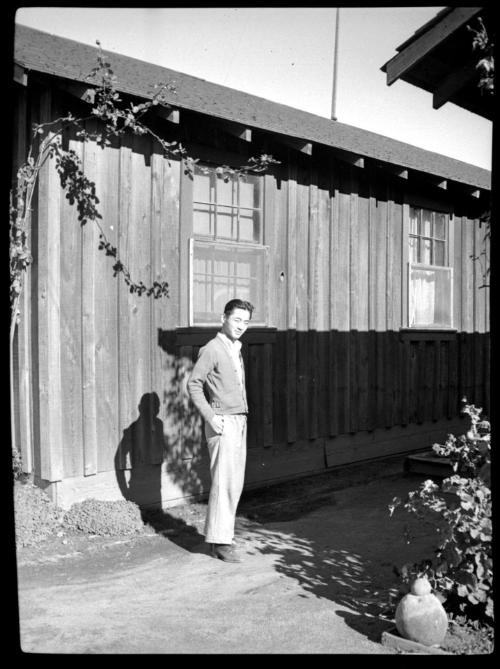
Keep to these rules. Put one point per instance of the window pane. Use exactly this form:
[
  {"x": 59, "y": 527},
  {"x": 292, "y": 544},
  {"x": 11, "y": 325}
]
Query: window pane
[
  {"x": 426, "y": 230},
  {"x": 201, "y": 188},
  {"x": 203, "y": 220},
  {"x": 226, "y": 223},
  {"x": 413, "y": 221},
  {"x": 430, "y": 298},
  {"x": 425, "y": 251},
  {"x": 226, "y": 192},
  {"x": 413, "y": 253},
  {"x": 249, "y": 192},
  {"x": 439, "y": 253},
  {"x": 222, "y": 272},
  {"x": 249, "y": 226},
  {"x": 439, "y": 226}
]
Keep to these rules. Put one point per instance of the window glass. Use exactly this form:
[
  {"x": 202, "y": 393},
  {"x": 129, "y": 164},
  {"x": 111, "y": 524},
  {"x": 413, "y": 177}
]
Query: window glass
[
  {"x": 202, "y": 190},
  {"x": 203, "y": 220},
  {"x": 222, "y": 272},
  {"x": 439, "y": 226},
  {"x": 430, "y": 297}
]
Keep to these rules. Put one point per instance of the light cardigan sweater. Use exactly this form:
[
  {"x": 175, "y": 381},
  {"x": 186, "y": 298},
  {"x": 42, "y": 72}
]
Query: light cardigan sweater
[{"x": 214, "y": 384}]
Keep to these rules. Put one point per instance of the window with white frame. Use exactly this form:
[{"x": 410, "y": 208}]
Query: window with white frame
[
  {"x": 430, "y": 277},
  {"x": 227, "y": 254}
]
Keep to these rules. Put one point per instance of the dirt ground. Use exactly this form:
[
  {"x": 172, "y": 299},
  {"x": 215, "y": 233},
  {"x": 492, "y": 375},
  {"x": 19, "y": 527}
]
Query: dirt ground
[{"x": 318, "y": 575}]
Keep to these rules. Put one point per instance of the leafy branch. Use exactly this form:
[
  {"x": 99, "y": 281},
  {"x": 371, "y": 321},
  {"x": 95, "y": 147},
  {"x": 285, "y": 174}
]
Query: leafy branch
[{"x": 115, "y": 120}]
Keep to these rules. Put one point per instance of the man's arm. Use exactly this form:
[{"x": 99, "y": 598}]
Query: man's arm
[{"x": 196, "y": 381}]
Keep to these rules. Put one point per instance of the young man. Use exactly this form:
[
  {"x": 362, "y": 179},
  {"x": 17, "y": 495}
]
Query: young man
[{"x": 217, "y": 388}]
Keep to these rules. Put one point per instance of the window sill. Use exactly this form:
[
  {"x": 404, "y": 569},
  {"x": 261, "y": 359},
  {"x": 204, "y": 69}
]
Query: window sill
[{"x": 428, "y": 334}]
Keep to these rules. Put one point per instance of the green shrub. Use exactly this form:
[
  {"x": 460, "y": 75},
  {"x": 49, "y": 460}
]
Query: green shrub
[
  {"x": 104, "y": 518},
  {"x": 459, "y": 510}
]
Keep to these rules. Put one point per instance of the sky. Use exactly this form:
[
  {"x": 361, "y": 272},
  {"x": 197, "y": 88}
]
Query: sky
[{"x": 286, "y": 54}]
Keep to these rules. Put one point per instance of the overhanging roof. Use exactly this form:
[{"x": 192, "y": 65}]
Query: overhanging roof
[
  {"x": 439, "y": 58},
  {"x": 49, "y": 54}
]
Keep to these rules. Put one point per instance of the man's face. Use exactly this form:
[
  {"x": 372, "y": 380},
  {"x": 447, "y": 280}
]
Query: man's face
[{"x": 234, "y": 325}]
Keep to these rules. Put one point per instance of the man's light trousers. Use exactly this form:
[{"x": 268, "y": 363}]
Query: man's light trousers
[{"x": 227, "y": 471}]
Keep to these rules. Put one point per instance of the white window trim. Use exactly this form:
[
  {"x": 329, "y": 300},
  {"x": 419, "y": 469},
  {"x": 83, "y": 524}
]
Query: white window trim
[
  {"x": 265, "y": 279},
  {"x": 417, "y": 326}
]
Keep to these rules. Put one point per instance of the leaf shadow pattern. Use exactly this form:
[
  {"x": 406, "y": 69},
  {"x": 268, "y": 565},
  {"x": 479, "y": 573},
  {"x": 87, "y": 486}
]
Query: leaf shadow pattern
[{"x": 346, "y": 553}]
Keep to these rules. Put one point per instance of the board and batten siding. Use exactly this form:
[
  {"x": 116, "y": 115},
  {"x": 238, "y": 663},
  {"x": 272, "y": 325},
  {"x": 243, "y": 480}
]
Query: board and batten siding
[{"x": 334, "y": 364}]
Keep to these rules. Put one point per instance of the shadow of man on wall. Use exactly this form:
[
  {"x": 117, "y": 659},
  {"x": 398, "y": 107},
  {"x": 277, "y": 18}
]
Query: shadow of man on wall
[
  {"x": 149, "y": 442},
  {"x": 140, "y": 454}
]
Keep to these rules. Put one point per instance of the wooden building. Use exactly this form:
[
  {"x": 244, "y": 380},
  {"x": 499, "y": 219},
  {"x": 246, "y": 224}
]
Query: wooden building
[
  {"x": 439, "y": 58},
  {"x": 371, "y": 317}
]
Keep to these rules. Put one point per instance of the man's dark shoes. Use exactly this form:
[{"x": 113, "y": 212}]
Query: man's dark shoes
[{"x": 226, "y": 552}]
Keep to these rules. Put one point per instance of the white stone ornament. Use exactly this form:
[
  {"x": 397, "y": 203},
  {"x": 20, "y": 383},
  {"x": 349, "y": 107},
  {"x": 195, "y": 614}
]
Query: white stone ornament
[{"x": 420, "y": 616}]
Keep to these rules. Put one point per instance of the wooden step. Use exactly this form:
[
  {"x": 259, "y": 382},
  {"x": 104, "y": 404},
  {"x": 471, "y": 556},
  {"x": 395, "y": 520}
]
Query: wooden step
[{"x": 428, "y": 463}]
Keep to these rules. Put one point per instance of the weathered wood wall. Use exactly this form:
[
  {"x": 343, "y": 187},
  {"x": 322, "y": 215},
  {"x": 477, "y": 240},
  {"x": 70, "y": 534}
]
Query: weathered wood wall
[{"x": 334, "y": 361}]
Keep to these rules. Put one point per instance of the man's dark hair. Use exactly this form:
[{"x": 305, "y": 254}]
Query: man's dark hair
[{"x": 238, "y": 304}]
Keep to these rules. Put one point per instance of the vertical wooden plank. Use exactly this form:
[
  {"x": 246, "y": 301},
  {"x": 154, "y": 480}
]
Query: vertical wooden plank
[
  {"x": 292, "y": 247},
  {"x": 313, "y": 269},
  {"x": 436, "y": 385},
  {"x": 267, "y": 395},
  {"x": 165, "y": 310},
  {"x": 106, "y": 323},
  {"x": 478, "y": 368},
  {"x": 354, "y": 381},
  {"x": 256, "y": 437},
  {"x": 396, "y": 222},
  {"x": 453, "y": 378},
  {"x": 354, "y": 252},
  {"x": 291, "y": 342},
  {"x": 389, "y": 364},
  {"x": 467, "y": 277},
  {"x": 405, "y": 213},
  {"x": 279, "y": 359},
  {"x": 421, "y": 362},
  {"x": 480, "y": 278},
  {"x": 24, "y": 371},
  {"x": 334, "y": 320},
  {"x": 381, "y": 267},
  {"x": 279, "y": 245},
  {"x": 343, "y": 301},
  {"x": 323, "y": 385},
  {"x": 185, "y": 232},
  {"x": 323, "y": 246},
  {"x": 302, "y": 302},
  {"x": 487, "y": 363},
  {"x": 291, "y": 384},
  {"x": 405, "y": 381},
  {"x": 313, "y": 348},
  {"x": 444, "y": 347},
  {"x": 397, "y": 349},
  {"x": 90, "y": 237},
  {"x": 71, "y": 330},
  {"x": 134, "y": 315},
  {"x": 372, "y": 253},
  {"x": 389, "y": 261},
  {"x": 49, "y": 314},
  {"x": 333, "y": 378},
  {"x": 456, "y": 258},
  {"x": 371, "y": 422},
  {"x": 380, "y": 384}
]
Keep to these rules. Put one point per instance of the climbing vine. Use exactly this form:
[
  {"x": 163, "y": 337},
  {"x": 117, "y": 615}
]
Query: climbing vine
[{"x": 116, "y": 119}]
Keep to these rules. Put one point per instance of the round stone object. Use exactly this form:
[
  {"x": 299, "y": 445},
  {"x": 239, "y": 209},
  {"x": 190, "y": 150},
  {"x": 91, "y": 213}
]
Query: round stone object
[{"x": 421, "y": 617}]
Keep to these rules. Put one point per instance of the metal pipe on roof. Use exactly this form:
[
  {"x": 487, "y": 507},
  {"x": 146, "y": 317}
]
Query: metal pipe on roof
[{"x": 335, "y": 64}]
